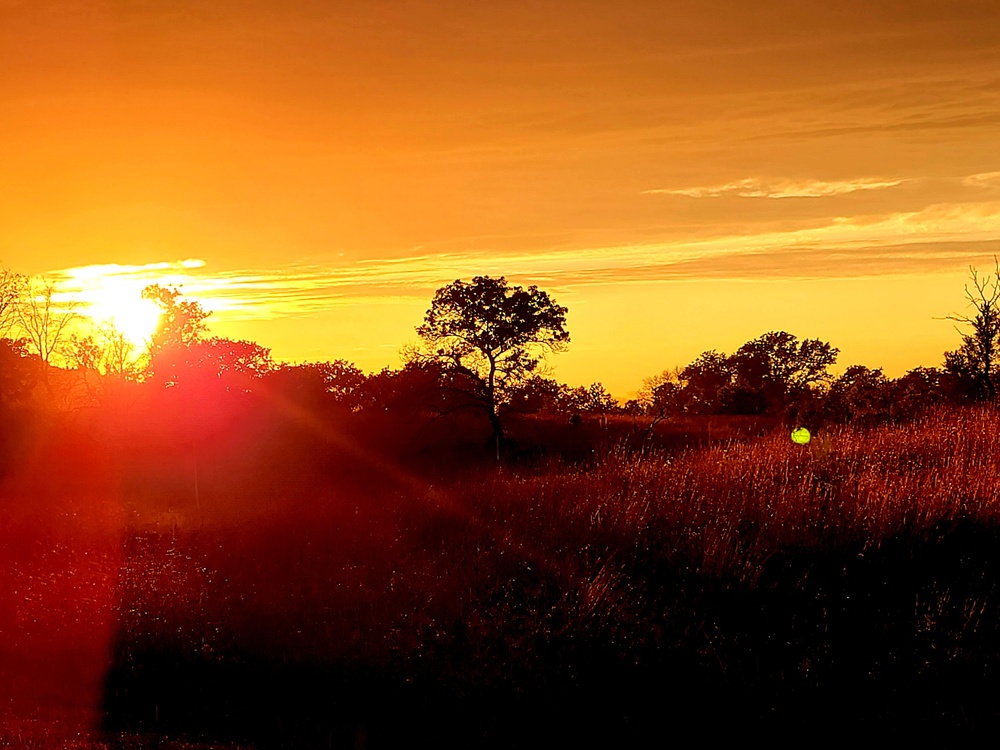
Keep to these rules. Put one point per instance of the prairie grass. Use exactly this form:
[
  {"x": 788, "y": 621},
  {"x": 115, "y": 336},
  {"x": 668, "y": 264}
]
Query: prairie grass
[{"x": 745, "y": 587}]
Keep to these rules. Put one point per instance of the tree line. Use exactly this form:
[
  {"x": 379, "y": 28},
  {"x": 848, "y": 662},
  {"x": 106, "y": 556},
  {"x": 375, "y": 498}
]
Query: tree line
[
  {"x": 483, "y": 348},
  {"x": 492, "y": 338}
]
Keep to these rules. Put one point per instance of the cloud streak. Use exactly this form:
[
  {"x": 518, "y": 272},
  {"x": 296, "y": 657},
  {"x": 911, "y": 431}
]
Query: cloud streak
[
  {"x": 782, "y": 188},
  {"x": 983, "y": 180},
  {"x": 937, "y": 238}
]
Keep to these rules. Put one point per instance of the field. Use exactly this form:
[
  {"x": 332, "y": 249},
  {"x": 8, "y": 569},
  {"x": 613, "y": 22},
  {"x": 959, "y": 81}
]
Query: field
[{"x": 720, "y": 584}]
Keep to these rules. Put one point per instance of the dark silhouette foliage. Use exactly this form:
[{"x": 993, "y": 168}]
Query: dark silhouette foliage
[
  {"x": 918, "y": 391},
  {"x": 181, "y": 325},
  {"x": 13, "y": 287},
  {"x": 419, "y": 387},
  {"x": 975, "y": 366},
  {"x": 491, "y": 336},
  {"x": 773, "y": 374},
  {"x": 770, "y": 371},
  {"x": 317, "y": 385},
  {"x": 181, "y": 321},
  {"x": 44, "y": 322},
  {"x": 540, "y": 395},
  {"x": 213, "y": 366},
  {"x": 860, "y": 395},
  {"x": 598, "y": 400},
  {"x": 18, "y": 372},
  {"x": 707, "y": 383},
  {"x": 228, "y": 365}
]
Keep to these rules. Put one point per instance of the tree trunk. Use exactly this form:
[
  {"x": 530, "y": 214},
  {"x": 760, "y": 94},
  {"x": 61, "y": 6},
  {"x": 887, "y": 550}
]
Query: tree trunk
[
  {"x": 491, "y": 413},
  {"x": 491, "y": 406}
]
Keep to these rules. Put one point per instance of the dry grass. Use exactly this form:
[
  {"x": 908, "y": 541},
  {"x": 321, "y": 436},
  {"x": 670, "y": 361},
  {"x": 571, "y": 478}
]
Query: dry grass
[{"x": 849, "y": 585}]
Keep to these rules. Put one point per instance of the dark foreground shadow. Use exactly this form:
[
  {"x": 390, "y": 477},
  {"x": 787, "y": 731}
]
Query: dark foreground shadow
[
  {"x": 896, "y": 642},
  {"x": 272, "y": 705}
]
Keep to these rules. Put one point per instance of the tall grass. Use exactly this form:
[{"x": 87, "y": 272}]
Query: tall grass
[
  {"x": 778, "y": 580},
  {"x": 849, "y": 585},
  {"x": 725, "y": 509}
]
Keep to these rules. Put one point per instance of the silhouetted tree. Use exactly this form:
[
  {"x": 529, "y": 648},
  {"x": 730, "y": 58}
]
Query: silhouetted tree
[
  {"x": 18, "y": 372},
  {"x": 599, "y": 401},
  {"x": 313, "y": 385},
  {"x": 181, "y": 321},
  {"x": 536, "y": 395},
  {"x": 572, "y": 400},
  {"x": 13, "y": 286},
  {"x": 861, "y": 394},
  {"x": 181, "y": 325},
  {"x": 660, "y": 397},
  {"x": 661, "y": 394},
  {"x": 44, "y": 321},
  {"x": 206, "y": 386},
  {"x": 106, "y": 360},
  {"x": 918, "y": 390},
  {"x": 547, "y": 396},
  {"x": 106, "y": 351},
  {"x": 418, "y": 387},
  {"x": 633, "y": 407},
  {"x": 774, "y": 367},
  {"x": 491, "y": 336},
  {"x": 118, "y": 354},
  {"x": 975, "y": 364},
  {"x": 706, "y": 382},
  {"x": 216, "y": 365}
]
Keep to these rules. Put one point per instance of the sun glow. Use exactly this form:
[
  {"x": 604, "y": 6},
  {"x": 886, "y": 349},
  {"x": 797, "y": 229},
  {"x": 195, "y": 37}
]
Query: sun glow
[
  {"x": 118, "y": 302},
  {"x": 110, "y": 295}
]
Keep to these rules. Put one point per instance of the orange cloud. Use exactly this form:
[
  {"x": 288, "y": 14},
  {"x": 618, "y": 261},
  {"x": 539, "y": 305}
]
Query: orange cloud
[
  {"x": 983, "y": 180},
  {"x": 936, "y": 238},
  {"x": 781, "y": 188}
]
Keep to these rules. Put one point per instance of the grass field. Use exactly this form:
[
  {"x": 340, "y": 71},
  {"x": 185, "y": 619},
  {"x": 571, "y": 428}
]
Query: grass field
[{"x": 743, "y": 586}]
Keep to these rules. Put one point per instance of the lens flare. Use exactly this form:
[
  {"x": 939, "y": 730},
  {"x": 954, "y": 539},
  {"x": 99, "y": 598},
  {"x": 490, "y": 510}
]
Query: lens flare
[{"x": 801, "y": 436}]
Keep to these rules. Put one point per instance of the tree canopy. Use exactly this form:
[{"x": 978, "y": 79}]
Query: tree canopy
[
  {"x": 181, "y": 326},
  {"x": 182, "y": 322},
  {"x": 492, "y": 335},
  {"x": 776, "y": 366}
]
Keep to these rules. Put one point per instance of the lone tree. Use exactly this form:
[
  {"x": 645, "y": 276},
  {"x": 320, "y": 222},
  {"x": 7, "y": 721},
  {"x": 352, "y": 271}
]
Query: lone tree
[
  {"x": 976, "y": 364},
  {"x": 490, "y": 337}
]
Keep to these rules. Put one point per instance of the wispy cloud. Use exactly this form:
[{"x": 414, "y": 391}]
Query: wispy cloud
[
  {"x": 83, "y": 278},
  {"x": 983, "y": 180},
  {"x": 153, "y": 273},
  {"x": 937, "y": 238},
  {"x": 781, "y": 188}
]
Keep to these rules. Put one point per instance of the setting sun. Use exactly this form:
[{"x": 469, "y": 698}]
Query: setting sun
[{"x": 118, "y": 302}]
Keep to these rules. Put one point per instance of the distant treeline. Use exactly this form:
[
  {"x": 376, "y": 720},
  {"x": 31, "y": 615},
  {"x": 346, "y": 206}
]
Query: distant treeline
[{"x": 477, "y": 357}]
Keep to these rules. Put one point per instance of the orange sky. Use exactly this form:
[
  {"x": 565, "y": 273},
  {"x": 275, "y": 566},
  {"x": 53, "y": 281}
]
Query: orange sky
[{"x": 682, "y": 175}]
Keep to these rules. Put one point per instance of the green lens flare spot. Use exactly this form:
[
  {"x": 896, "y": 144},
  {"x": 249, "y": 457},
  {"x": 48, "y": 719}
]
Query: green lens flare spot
[{"x": 800, "y": 436}]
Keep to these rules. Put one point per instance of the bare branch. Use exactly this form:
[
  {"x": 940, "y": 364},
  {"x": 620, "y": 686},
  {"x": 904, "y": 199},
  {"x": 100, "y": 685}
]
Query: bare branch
[
  {"x": 977, "y": 361},
  {"x": 44, "y": 320}
]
